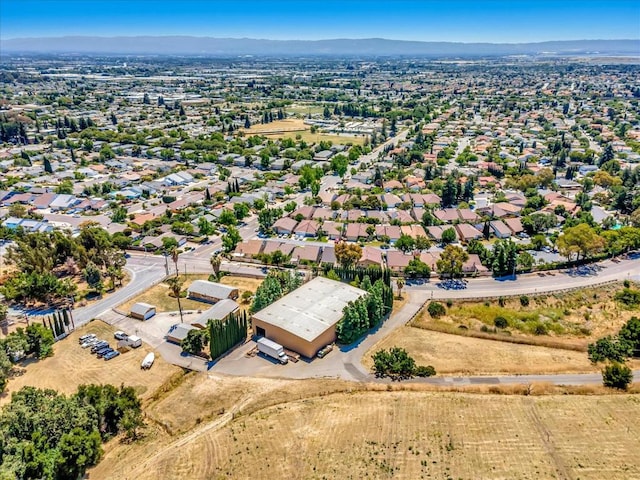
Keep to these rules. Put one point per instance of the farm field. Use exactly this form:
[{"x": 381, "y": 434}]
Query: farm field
[
  {"x": 158, "y": 295},
  {"x": 71, "y": 366},
  {"x": 400, "y": 434}
]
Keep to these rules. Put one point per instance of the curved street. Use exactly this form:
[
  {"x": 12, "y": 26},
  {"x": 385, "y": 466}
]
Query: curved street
[{"x": 147, "y": 270}]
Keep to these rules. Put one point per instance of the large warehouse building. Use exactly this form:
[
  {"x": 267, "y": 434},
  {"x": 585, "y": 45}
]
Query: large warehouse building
[{"x": 305, "y": 320}]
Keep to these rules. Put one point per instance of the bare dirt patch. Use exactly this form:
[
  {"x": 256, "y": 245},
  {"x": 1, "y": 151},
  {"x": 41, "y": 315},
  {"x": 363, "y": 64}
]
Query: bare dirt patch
[{"x": 72, "y": 365}]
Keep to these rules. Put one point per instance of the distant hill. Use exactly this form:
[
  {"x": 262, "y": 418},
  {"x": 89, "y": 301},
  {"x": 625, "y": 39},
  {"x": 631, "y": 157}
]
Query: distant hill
[{"x": 185, "y": 45}]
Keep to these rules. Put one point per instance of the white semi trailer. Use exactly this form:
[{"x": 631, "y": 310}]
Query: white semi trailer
[{"x": 272, "y": 349}]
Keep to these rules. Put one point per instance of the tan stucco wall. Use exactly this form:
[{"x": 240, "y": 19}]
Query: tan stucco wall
[{"x": 293, "y": 342}]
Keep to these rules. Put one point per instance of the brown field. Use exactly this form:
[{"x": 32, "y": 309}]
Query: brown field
[
  {"x": 71, "y": 366},
  {"x": 292, "y": 127},
  {"x": 461, "y": 355},
  {"x": 383, "y": 434},
  {"x": 158, "y": 295}
]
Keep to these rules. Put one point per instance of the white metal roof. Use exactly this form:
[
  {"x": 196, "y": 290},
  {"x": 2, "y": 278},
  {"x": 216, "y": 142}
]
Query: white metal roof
[{"x": 311, "y": 309}]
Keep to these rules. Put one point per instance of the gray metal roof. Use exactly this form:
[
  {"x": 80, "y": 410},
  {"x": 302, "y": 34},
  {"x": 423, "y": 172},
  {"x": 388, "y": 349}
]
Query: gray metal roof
[
  {"x": 141, "y": 308},
  {"x": 211, "y": 289},
  {"x": 311, "y": 309},
  {"x": 220, "y": 310}
]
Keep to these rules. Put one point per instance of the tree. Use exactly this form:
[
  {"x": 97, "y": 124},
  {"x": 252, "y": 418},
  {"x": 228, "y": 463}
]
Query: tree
[
  {"x": 405, "y": 243},
  {"x": 205, "y": 227},
  {"x": 39, "y": 340},
  {"x": 78, "y": 450},
  {"x": 93, "y": 276},
  {"x": 195, "y": 342},
  {"x": 231, "y": 239},
  {"x": 581, "y": 239},
  {"x": 400, "y": 285},
  {"x": 397, "y": 364},
  {"x": 451, "y": 261},
  {"x": 175, "y": 285},
  {"x": 617, "y": 375},
  {"x": 449, "y": 236},
  {"x": 5, "y": 368},
  {"x": 347, "y": 254},
  {"x": 215, "y": 261},
  {"x": 422, "y": 243},
  {"x": 417, "y": 269},
  {"x": 630, "y": 335},
  {"x": 241, "y": 210},
  {"x": 504, "y": 258},
  {"x": 228, "y": 218},
  {"x": 608, "y": 348},
  {"x": 340, "y": 164}
]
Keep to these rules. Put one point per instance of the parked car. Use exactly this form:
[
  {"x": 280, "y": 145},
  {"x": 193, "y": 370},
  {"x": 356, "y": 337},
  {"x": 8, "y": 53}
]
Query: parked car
[
  {"x": 90, "y": 343},
  {"x": 86, "y": 338},
  {"x": 120, "y": 335},
  {"x": 324, "y": 351},
  {"x": 104, "y": 351},
  {"x": 111, "y": 355},
  {"x": 98, "y": 346}
]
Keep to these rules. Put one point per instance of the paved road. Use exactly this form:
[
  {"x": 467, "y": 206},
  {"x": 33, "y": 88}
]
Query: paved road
[{"x": 531, "y": 284}]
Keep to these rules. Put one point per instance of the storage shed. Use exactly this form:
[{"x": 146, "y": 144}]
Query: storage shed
[
  {"x": 142, "y": 311},
  {"x": 305, "y": 320},
  {"x": 211, "y": 292},
  {"x": 177, "y": 333},
  {"x": 220, "y": 311}
]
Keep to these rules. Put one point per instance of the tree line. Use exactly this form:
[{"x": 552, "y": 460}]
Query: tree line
[{"x": 50, "y": 436}]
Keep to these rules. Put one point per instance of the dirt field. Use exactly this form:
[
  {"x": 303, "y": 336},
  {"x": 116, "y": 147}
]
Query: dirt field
[
  {"x": 407, "y": 435},
  {"x": 158, "y": 295},
  {"x": 71, "y": 366}
]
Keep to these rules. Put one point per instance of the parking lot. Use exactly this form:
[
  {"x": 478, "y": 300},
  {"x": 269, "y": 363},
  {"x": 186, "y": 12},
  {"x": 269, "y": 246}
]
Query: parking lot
[{"x": 153, "y": 332}]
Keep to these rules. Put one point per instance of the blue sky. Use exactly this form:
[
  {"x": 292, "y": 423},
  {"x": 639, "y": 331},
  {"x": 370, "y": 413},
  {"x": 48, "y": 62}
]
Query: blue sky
[{"x": 429, "y": 20}]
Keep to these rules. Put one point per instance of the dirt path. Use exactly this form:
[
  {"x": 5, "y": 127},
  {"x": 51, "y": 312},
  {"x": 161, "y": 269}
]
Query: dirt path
[{"x": 547, "y": 440}]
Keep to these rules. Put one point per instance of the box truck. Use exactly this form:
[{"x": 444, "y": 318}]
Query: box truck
[
  {"x": 134, "y": 341},
  {"x": 272, "y": 349}
]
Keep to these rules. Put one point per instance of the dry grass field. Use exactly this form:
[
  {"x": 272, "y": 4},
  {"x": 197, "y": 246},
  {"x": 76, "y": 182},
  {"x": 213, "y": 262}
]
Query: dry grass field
[
  {"x": 71, "y": 366},
  {"x": 461, "y": 355},
  {"x": 158, "y": 295},
  {"x": 571, "y": 320},
  {"x": 292, "y": 127},
  {"x": 382, "y": 434}
]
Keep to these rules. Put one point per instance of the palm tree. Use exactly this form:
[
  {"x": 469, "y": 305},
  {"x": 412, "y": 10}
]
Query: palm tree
[
  {"x": 174, "y": 257},
  {"x": 175, "y": 284},
  {"x": 215, "y": 262},
  {"x": 400, "y": 285}
]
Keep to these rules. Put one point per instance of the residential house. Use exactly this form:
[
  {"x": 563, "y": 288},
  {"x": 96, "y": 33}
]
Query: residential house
[
  {"x": 371, "y": 257},
  {"x": 499, "y": 229},
  {"x": 284, "y": 225}
]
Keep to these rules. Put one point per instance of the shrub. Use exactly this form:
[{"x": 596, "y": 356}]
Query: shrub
[
  {"x": 540, "y": 329},
  {"x": 395, "y": 363},
  {"x": 449, "y": 303},
  {"x": 608, "y": 348},
  {"x": 502, "y": 301},
  {"x": 617, "y": 375},
  {"x": 524, "y": 300},
  {"x": 500, "y": 322},
  {"x": 436, "y": 309},
  {"x": 629, "y": 297},
  {"x": 422, "y": 371}
]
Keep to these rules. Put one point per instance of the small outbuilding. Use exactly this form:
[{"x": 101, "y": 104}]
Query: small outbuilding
[
  {"x": 142, "y": 311},
  {"x": 211, "y": 292},
  {"x": 177, "y": 333},
  {"x": 220, "y": 311}
]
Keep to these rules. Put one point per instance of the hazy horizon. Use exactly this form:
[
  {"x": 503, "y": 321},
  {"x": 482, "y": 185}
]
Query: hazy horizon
[{"x": 459, "y": 21}]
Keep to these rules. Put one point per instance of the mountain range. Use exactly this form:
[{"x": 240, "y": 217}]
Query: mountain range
[{"x": 210, "y": 46}]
